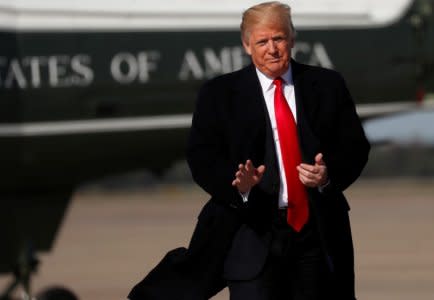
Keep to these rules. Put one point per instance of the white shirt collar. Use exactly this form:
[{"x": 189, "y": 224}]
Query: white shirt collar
[{"x": 267, "y": 82}]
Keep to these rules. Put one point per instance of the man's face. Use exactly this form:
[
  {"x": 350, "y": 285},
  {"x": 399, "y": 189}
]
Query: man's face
[{"x": 270, "y": 48}]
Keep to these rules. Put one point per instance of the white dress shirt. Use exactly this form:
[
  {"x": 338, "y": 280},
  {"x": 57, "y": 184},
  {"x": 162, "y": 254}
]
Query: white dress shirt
[{"x": 268, "y": 89}]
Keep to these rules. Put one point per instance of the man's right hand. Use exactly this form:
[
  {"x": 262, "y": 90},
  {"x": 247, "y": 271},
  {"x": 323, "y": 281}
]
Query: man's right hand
[{"x": 247, "y": 176}]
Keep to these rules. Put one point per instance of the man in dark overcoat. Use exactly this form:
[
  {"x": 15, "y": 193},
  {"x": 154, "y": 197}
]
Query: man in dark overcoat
[{"x": 275, "y": 144}]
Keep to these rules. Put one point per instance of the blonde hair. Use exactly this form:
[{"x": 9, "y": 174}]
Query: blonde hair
[{"x": 273, "y": 12}]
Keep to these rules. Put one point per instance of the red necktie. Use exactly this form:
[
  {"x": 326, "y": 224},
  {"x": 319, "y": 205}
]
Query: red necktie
[{"x": 298, "y": 210}]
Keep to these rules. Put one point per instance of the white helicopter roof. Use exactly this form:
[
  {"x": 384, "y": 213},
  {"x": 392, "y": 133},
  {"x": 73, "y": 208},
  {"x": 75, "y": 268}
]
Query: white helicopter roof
[{"x": 187, "y": 14}]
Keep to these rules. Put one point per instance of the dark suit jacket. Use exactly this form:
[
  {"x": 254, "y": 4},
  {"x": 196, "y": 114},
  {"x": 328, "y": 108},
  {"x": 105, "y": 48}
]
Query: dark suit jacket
[{"x": 231, "y": 125}]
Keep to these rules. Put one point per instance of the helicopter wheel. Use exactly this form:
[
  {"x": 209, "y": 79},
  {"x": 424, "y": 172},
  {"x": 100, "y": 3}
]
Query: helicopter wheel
[{"x": 56, "y": 293}]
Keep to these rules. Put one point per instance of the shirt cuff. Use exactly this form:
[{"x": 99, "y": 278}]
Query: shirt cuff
[
  {"x": 245, "y": 196},
  {"x": 322, "y": 187}
]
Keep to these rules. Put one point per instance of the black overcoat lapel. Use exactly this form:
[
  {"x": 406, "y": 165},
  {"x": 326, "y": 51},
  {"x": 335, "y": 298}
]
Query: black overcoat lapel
[
  {"x": 306, "y": 97},
  {"x": 249, "y": 103},
  {"x": 261, "y": 146}
]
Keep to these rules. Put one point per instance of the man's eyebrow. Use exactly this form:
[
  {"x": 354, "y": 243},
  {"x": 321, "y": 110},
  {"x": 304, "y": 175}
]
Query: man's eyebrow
[
  {"x": 261, "y": 40},
  {"x": 277, "y": 37}
]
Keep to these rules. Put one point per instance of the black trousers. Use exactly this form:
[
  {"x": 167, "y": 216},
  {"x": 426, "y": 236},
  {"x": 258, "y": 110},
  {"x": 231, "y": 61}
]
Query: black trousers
[{"x": 294, "y": 270}]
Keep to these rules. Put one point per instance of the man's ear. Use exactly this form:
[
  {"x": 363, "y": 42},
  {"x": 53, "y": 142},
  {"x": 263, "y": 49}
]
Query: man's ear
[{"x": 247, "y": 48}]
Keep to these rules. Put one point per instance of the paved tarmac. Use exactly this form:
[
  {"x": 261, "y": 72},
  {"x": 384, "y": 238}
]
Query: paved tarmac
[{"x": 110, "y": 239}]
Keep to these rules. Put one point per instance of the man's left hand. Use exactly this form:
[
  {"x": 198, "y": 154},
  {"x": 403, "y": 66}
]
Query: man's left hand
[{"x": 313, "y": 175}]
